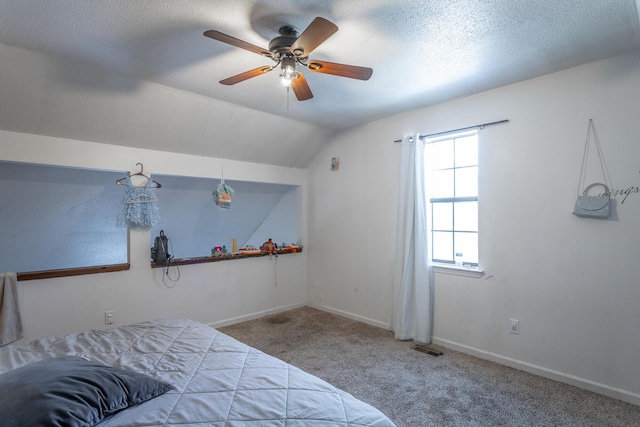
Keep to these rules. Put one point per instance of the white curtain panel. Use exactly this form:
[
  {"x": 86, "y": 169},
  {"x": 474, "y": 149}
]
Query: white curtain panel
[{"x": 412, "y": 283}]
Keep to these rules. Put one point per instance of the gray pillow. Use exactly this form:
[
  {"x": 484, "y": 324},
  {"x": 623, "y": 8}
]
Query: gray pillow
[{"x": 70, "y": 391}]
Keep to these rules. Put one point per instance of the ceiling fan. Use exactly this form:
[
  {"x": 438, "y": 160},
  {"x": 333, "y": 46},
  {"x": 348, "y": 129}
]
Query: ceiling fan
[{"x": 291, "y": 49}]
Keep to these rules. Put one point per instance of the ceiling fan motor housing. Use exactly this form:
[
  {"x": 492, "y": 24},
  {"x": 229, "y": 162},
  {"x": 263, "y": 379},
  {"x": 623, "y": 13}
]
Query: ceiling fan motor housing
[{"x": 280, "y": 45}]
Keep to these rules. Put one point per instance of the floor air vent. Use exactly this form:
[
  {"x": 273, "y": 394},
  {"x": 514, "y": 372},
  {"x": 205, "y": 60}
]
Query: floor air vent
[{"x": 427, "y": 350}]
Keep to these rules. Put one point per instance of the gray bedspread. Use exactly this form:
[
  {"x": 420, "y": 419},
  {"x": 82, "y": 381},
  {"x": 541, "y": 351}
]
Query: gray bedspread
[{"x": 217, "y": 380}]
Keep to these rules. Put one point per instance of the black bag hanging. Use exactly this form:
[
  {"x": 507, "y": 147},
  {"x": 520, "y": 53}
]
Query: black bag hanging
[{"x": 159, "y": 252}]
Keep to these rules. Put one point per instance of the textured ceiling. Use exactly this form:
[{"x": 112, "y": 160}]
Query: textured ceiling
[{"x": 421, "y": 52}]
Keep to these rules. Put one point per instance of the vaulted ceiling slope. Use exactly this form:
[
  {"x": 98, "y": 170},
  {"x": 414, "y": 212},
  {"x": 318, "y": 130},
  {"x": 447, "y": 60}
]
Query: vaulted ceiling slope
[{"x": 141, "y": 73}]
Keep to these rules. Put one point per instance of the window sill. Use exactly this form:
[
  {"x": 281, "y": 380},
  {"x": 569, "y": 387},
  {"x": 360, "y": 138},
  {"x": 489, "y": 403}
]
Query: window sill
[
  {"x": 458, "y": 271},
  {"x": 227, "y": 257}
]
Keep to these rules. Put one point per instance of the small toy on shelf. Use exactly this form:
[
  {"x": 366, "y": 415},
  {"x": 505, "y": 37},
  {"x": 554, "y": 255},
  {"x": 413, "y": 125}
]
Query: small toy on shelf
[
  {"x": 216, "y": 251},
  {"x": 269, "y": 247},
  {"x": 250, "y": 250},
  {"x": 291, "y": 247}
]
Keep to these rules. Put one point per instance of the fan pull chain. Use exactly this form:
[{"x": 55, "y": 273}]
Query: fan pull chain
[{"x": 288, "y": 90}]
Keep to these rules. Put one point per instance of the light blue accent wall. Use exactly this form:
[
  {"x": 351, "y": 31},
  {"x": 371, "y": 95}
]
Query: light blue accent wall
[
  {"x": 283, "y": 222},
  {"x": 194, "y": 224},
  {"x": 58, "y": 217},
  {"x": 55, "y": 217}
]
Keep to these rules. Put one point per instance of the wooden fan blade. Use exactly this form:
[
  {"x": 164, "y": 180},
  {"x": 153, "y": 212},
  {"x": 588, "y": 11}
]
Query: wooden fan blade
[
  {"x": 246, "y": 75},
  {"x": 316, "y": 33},
  {"x": 225, "y": 38},
  {"x": 342, "y": 70},
  {"x": 301, "y": 88}
]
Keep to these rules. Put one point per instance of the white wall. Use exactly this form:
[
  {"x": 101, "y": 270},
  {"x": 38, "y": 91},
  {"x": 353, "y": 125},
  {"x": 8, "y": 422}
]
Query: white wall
[
  {"x": 217, "y": 293},
  {"x": 572, "y": 282}
]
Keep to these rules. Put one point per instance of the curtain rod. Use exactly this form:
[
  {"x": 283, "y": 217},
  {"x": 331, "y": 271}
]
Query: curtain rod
[{"x": 482, "y": 126}]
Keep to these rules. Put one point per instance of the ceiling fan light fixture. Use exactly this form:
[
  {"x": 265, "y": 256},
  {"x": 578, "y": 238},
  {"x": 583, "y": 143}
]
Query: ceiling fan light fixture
[
  {"x": 286, "y": 80},
  {"x": 288, "y": 64},
  {"x": 288, "y": 70}
]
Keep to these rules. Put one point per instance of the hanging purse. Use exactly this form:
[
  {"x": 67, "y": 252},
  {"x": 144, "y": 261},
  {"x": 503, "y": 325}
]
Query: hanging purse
[{"x": 592, "y": 206}]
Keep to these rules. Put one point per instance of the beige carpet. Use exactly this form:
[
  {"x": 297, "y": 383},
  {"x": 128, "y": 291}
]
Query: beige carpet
[{"x": 416, "y": 389}]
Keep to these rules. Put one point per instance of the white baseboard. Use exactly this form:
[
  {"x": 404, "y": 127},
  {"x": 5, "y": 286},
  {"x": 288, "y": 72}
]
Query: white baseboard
[
  {"x": 351, "y": 316},
  {"x": 256, "y": 315},
  {"x": 616, "y": 393}
]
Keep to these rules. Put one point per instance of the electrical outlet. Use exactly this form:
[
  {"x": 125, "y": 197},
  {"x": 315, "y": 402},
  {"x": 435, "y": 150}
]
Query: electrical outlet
[
  {"x": 515, "y": 326},
  {"x": 109, "y": 317}
]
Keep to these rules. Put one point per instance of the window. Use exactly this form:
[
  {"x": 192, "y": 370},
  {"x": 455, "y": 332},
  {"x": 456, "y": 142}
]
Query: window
[{"x": 452, "y": 182}]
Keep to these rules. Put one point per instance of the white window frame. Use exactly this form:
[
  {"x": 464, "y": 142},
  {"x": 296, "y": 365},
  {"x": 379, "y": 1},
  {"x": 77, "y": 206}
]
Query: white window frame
[{"x": 446, "y": 266}]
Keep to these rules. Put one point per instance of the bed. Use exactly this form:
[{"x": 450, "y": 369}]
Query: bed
[{"x": 166, "y": 372}]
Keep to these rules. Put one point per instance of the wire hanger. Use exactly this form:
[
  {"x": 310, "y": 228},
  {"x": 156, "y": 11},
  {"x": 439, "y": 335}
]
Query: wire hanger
[
  {"x": 142, "y": 198},
  {"x": 155, "y": 183}
]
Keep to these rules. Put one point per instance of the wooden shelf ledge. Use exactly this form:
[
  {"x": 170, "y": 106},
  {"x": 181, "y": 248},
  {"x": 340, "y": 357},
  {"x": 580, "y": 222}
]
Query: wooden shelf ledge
[
  {"x": 225, "y": 257},
  {"x": 65, "y": 272}
]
